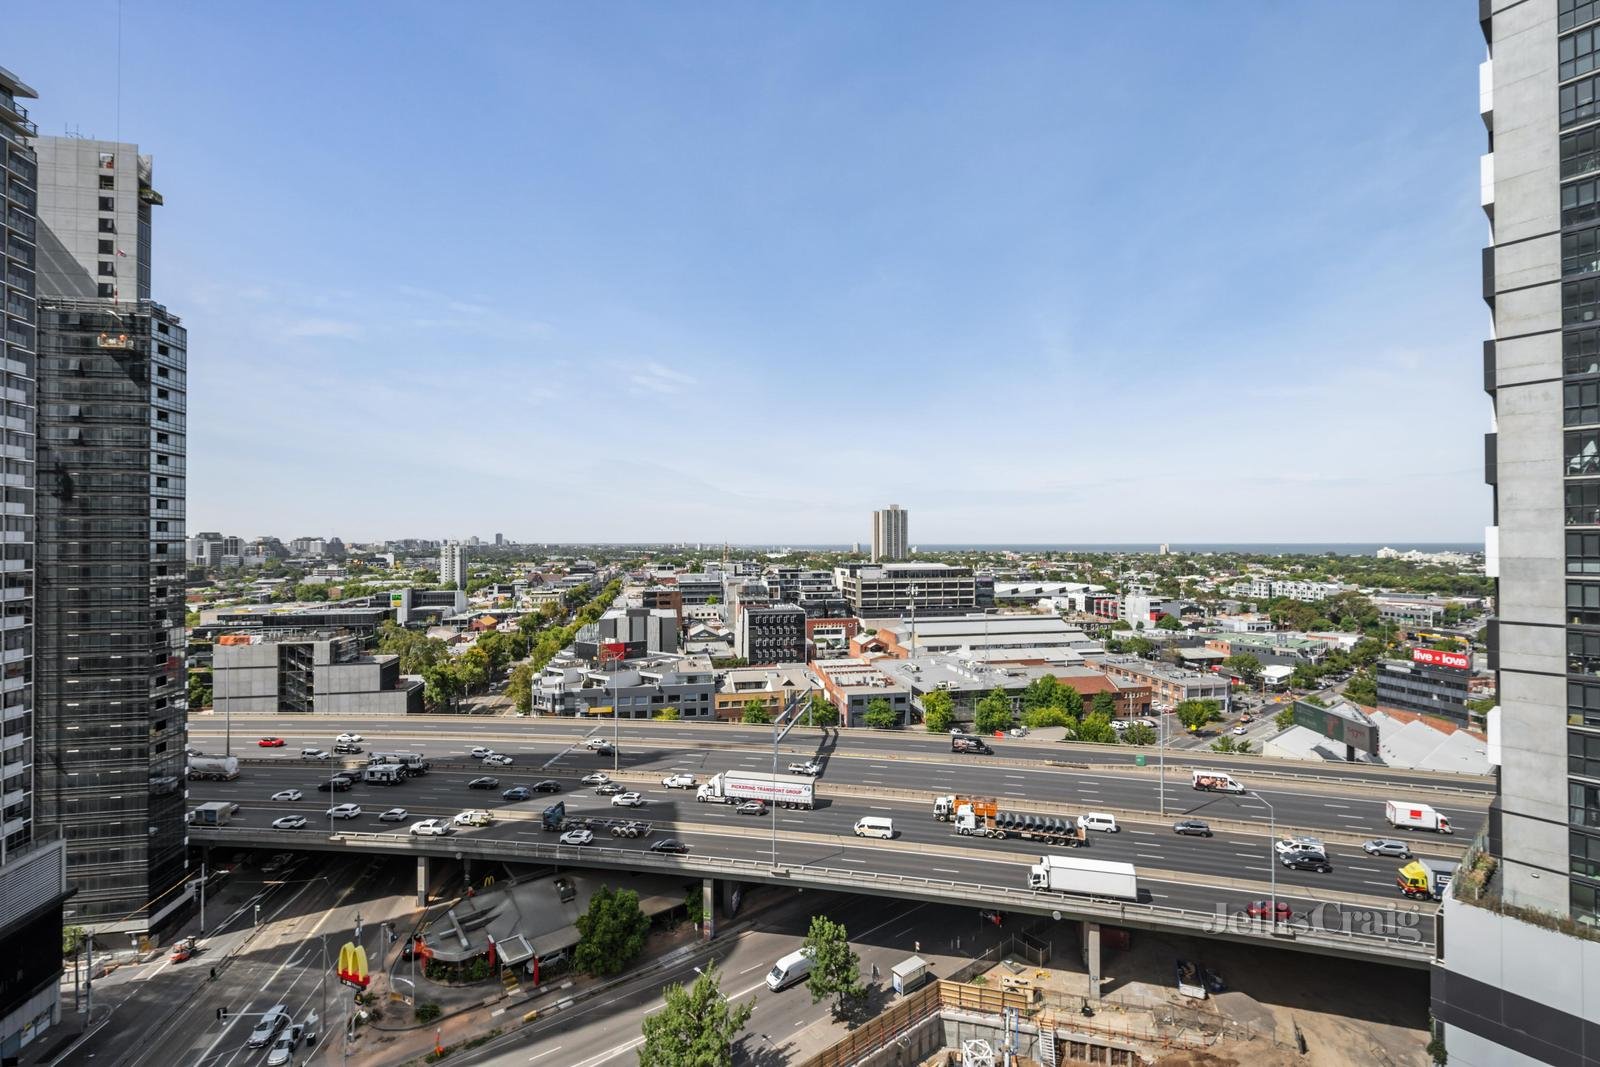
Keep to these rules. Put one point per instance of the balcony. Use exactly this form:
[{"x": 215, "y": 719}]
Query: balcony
[
  {"x": 18, "y": 116},
  {"x": 1486, "y": 92},
  {"x": 1486, "y": 183}
]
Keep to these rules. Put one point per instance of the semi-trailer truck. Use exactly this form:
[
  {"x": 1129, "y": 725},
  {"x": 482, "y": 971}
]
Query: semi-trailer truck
[
  {"x": 1217, "y": 782},
  {"x": 779, "y": 790},
  {"x": 214, "y": 768},
  {"x": 216, "y": 813},
  {"x": 1426, "y": 879},
  {"x": 982, "y": 817},
  {"x": 1090, "y": 878},
  {"x": 1404, "y": 815}
]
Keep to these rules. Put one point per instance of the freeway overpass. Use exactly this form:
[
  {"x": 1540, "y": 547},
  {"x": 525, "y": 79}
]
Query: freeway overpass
[{"x": 1191, "y": 884}]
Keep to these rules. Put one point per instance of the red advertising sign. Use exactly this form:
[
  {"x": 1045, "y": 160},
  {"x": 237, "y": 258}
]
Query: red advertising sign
[{"x": 1434, "y": 658}]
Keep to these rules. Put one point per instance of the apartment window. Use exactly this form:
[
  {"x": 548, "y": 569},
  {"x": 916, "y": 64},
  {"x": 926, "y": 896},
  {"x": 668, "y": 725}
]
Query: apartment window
[
  {"x": 108, "y": 226},
  {"x": 107, "y": 248},
  {"x": 1572, "y": 13},
  {"x": 1577, "y": 53},
  {"x": 108, "y": 269},
  {"x": 1580, "y": 152},
  {"x": 108, "y": 161},
  {"x": 1580, "y": 403},
  {"x": 1583, "y": 653},
  {"x": 1585, "y": 853},
  {"x": 1583, "y": 804},
  {"x": 1583, "y": 504},
  {"x": 108, "y": 203},
  {"x": 1583, "y": 704},
  {"x": 107, "y": 181},
  {"x": 1582, "y": 452},
  {"x": 1578, "y": 101},
  {"x": 107, "y": 290},
  {"x": 1580, "y": 351},
  {"x": 1580, "y": 252},
  {"x": 1583, "y": 604}
]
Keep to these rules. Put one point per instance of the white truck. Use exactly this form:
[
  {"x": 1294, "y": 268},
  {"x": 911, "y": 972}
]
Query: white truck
[
  {"x": 1090, "y": 878},
  {"x": 384, "y": 773},
  {"x": 214, "y": 768},
  {"x": 779, "y": 790},
  {"x": 413, "y": 762},
  {"x": 1405, "y": 815},
  {"x": 1217, "y": 782}
]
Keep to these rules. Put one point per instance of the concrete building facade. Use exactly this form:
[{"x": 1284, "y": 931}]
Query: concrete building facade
[
  {"x": 888, "y": 590},
  {"x": 770, "y": 633},
  {"x": 453, "y": 566},
  {"x": 303, "y": 673},
  {"x": 890, "y": 536}
]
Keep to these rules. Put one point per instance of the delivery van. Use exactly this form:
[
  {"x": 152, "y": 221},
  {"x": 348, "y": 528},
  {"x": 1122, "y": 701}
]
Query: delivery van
[
  {"x": 875, "y": 826},
  {"x": 1098, "y": 820},
  {"x": 791, "y": 969}
]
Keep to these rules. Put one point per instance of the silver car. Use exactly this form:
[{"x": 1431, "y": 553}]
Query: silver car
[
  {"x": 1387, "y": 847},
  {"x": 272, "y": 1020}
]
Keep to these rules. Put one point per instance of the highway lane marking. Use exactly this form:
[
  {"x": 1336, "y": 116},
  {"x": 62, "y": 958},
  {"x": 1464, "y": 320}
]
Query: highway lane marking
[
  {"x": 943, "y": 870},
  {"x": 1345, "y": 806},
  {"x": 878, "y": 807},
  {"x": 880, "y": 766},
  {"x": 753, "y": 967},
  {"x": 1148, "y": 856},
  {"x": 1368, "y": 870},
  {"x": 1146, "y": 833},
  {"x": 547, "y": 1052},
  {"x": 1247, "y": 855}
]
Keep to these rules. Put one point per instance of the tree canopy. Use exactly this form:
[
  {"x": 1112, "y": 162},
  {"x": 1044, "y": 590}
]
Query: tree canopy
[
  {"x": 611, "y": 933},
  {"x": 695, "y": 1027},
  {"x": 938, "y": 711},
  {"x": 993, "y": 712},
  {"x": 836, "y": 969}
]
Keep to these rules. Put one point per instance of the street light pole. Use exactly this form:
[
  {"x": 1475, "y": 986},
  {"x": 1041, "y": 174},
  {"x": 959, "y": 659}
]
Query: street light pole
[
  {"x": 1161, "y": 763},
  {"x": 1272, "y": 853}
]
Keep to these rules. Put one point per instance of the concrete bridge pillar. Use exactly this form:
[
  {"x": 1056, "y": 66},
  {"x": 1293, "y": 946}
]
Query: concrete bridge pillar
[
  {"x": 422, "y": 881},
  {"x": 730, "y": 898},
  {"x": 1091, "y": 956},
  {"x": 708, "y": 904}
]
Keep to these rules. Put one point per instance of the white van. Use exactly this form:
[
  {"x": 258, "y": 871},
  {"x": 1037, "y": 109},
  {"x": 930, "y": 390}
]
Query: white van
[
  {"x": 875, "y": 826},
  {"x": 1098, "y": 820},
  {"x": 789, "y": 970}
]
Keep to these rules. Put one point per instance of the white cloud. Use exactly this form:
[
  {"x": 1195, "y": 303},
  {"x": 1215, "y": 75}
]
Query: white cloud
[
  {"x": 658, "y": 378},
  {"x": 314, "y": 327}
]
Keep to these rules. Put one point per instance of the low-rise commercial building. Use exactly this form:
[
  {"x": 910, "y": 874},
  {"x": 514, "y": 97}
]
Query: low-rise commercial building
[
  {"x": 969, "y": 680},
  {"x": 770, "y": 633},
  {"x": 888, "y": 590},
  {"x": 633, "y": 690},
  {"x": 1434, "y": 684},
  {"x": 852, "y": 686},
  {"x": 629, "y": 633},
  {"x": 1045, "y": 635},
  {"x": 774, "y": 686},
  {"x": 1169, "y": 685},
  {"x": 294, "y": 672}
]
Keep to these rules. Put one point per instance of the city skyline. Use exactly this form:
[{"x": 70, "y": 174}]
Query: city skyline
[{"x": 1286, "y": 288}]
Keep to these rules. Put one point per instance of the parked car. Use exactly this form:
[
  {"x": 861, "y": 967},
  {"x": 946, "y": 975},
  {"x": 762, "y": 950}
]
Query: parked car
[
  {"x": 810, "y": 767},
  {"x": 595, "y": 779},
  {"x": 610, "y": 789},
  {"x": 517, "y": 792},
  {"x": 680, "y": 781},
  {"x": 430, "y": 828},
  {"x": 287, "y": 794},
  {"x": 271, "y": 1021},
  {"x": 394, "y": 815},
  {"x": 485, "y": 782},
  {"x": 349, "y": 739},
  {"x": 752, "y": 807},
  {"x": 548, "y": 785},
  {"x": 577, "y": 837},
  {"x": 629, "y": 799},
  {"x": 1382, "y": 846},
  {"x": 671, "y": 845},
  {"x": 1239, "y": 731},
  {"x": 1262, "y": 909},
  {"x": 270, "y": 742},
  {"x": 1192, "y": 827},
  {"x": 344, "y": 811}
]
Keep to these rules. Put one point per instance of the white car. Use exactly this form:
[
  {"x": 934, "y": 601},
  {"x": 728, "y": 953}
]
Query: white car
[
  {"x": 810, "y": 767},
  {"x": 430, "y": 828},
  {"x": 1285, "y": 845},
  {"x": 627, "y": 800},
  {"x": 596, "y": 742},
  {"x": 577, "y": 837},
  {"x": 350, "y": 739},
  {"x": 344, "y": 811},
  {"x": 287, "y": 794},
  {"x": 679, "y": 781},
  {"x": 596, "y": 778},
  {"x": 1239, "y": 731},
  {"x": 495, "y": 759},
  {"x": 478, "y": 752},
  {"x": 394, "y": 815},
  {"x": 272, "y": 1020},
  {"x": 289, "y": 822}
]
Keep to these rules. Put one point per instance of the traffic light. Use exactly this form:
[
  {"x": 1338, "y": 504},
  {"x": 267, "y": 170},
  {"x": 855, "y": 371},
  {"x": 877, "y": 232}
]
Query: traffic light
[{"x": 222, "y": 1015}]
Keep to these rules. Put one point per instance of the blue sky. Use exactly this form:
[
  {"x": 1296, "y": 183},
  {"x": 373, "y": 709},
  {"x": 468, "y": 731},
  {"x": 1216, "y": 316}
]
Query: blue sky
[{"x": 1040, "y": 272}]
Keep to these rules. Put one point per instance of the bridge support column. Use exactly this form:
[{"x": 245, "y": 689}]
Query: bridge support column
[
  {"x": 422, "y": 881},
  {"x": 708, "y": 904},
  {"x": 1091, "y": 957}
]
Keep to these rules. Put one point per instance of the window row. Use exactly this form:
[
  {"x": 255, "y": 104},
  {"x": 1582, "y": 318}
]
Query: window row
[
  {"x": 1580, "y": 252},
  {"x": 1583, "y": 755},
  {"x": 1578, "y": 54},
  {"x": 1572, "y": 13},
  {"x": 1583, "y": 805},
  {"x": 1580, "y": 403},
  {"x": 1582, "y": 450},
  {"x": 1583, "y": 604},
  {"x": 1578, "y": 102}
]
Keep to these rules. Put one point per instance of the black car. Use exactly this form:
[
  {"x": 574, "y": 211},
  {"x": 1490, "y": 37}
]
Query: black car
[
  {"x": 547, "y": 786},
  {"x": 670, "y": 844},
  {"x": 1193, "y": 827},
  {"x": 335, "y": 785},
  {"x": 484, "y": 783},
  {"x": 1306, "y": 861},
  {"x": 346, "y": 748},
  {"x": 516, "y": 792},
  {"x": 610, "y": 789}
]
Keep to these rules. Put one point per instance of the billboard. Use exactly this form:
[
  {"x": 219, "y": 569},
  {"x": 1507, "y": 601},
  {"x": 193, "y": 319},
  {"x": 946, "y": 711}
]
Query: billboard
[
  {"x": 1432, "y": 657},
  {"x": 1342, "y": 724}
]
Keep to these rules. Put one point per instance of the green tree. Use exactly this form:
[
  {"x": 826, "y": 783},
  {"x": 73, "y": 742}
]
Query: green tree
[
  {"x": 756, "y": 713},
  {"x": 519, "y": 689},
  {"x": 472, "y": 668},
  {"x": 1196, "y": 713},
  {"x": 441, "y": 686},
  {"x": 1362, "y": 688},
  {"x": 993, "y": 712},
  {"x": 880, "y": 716},
  {"x": 668, "y": 714},
  {"x": 1139, "y": 646},
  {"x": 1304, "y": 676},
  {"x": 713, "y": 600},
  {"x": 610, "y": 933},
  {"x": 938, "y": 711},
  {"x": 695, "y": 1027},
  {"x": 1284, "y": 719},
  {"x": 1223, "y": 744},
  {"x": 821, "y": 712},
  {"x": 1043, "y": 692},
  {"x": 1104, "y": 704},
  {"x": 199, "y": 691},
  {"x": 1097, "y": 729},
  {"x": 1168, "y": 622},
  {"x": 1245, "y": 665},
  {"x": 835, "y": 969},
  {"x": 1042, "y": 718},
  {"x": 1139, "y": 734}
]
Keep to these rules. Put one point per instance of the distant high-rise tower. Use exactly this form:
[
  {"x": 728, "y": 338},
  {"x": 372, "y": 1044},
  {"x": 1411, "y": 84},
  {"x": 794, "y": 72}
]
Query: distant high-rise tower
[
  {"x": 453, "y": 566},
  {"x": 889, "y": 534},
  {"x": 109, "y": 649},
  {"x": 32, "y": 864},
  {"x": 499, "y": 539}
]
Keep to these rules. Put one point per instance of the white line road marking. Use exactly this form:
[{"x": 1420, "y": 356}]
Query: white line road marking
[
  {"x": 547, "y": 1052},
  {"x": 1146, "y": 833},
  {"x": 1368, "y": 870},
  {"x": 879, "y": 807},
  {"x": 1148, "y": 855},
  {"x": 1344, "y": 806},
  {"x": 944, "y": 870},
  {"x": 754, "y": 967}
]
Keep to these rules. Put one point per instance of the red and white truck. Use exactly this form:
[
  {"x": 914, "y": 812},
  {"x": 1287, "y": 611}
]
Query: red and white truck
[
  {"x": 779, "y": 790},
  {"x": 1405, "y": 815}
]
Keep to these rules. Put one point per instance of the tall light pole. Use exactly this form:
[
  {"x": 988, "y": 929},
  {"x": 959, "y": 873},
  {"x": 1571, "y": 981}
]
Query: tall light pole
[
  {"x": 790, "y": 711},
  {"x": 1161, "y": 763},
  {"x": 1272, "y": 851}
]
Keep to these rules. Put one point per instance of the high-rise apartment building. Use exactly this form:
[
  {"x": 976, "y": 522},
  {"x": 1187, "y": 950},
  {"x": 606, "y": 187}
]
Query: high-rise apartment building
[
  {"x": 32, "y": 858},
  {"x": 1506, "y": 982},
  {"x": 453, "y": 566},
  {"x": 889, "y": 534},
  {"x": 110, "y": 668}
]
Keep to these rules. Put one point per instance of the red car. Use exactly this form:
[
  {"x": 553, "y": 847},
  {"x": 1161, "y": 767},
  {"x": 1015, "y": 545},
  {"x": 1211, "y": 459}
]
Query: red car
[
  {"x": 271, "y": 742},
  {"x": 1261, "y": 909},
  {"x": 184, "y": 950}
]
